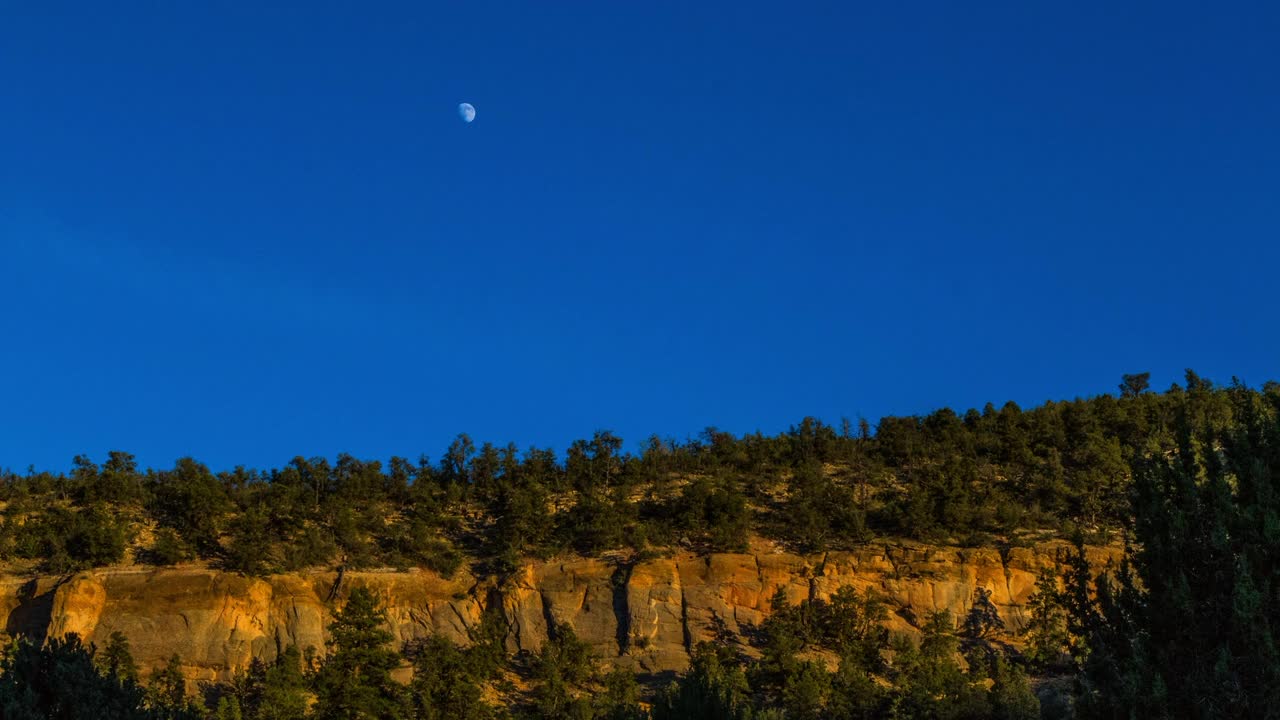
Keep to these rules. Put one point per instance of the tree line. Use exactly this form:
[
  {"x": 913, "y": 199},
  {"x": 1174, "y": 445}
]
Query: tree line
[
  {"x": 972, "y": 478},
  {"x": 1188, "y": 626}
]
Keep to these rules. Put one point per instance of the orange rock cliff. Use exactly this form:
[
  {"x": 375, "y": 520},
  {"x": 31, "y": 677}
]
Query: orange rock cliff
[{"x": 645, "y": 615}]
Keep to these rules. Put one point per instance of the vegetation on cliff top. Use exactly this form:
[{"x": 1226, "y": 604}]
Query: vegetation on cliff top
[{"x": 992, "y": 473}]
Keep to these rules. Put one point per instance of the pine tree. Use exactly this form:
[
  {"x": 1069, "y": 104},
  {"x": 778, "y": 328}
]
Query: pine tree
[
  {"x": 447, "y": 684},
  {"x": 282, "y": 693},
  {"x": 1011, "y": 694},
  {"x": 714, "y": 688},
  {"x": 354, "y": 682},
  {"x": 1046, "y": 633},
  {"x": 1180, "y": 629},
  {"x": 621, "y": 697},
  {"x": 61, "y": 679},
  {"x": 228, "y": 709},
  {"x": 168, "y": 692},
  {"x": 563, "y": 667},
  {"x": 116, "y": 659},
  {"x": 983, "y": 618},
  {"x": 930, "y": 682}
]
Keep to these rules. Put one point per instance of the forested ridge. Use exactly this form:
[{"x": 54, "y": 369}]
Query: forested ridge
[
  {"x": 974, "y": 477},
  {"x": 1188, "y": 479}
]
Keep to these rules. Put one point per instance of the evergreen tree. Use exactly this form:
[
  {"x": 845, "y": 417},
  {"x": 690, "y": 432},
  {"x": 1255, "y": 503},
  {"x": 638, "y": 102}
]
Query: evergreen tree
[
  {"x": 853, "y": 626},
  {"x": 1180, "y": 629},
  {"x": 806, "y": 690},
  {"x": 447, "y": 683},
  {"x": 1011, "y": 695},
  {"x": 1046, "y": 632},
  {"x": 1134, "y": 385},
  {"x": 168, "y": 689},
  {"x": 563, "y": 667},
  {"x": 714, "y": 688},
  {"x": 192, "y": 502},
  {"x": 228, "y": 709},
  {"x": 250, "y": 540},
  {"x": 168, "y": 548},
  {"x": 354, "y": 682},
  {"x": 281, "y": 693},
  {"x": 983, "y": 619},
  {"x": 620, "y": 699},
  {"x": 855, "y": 694},
  {"x": 930, "y": 683},
  {"x": 61, "y": 680},
  {"x": 116, "y": 658}
]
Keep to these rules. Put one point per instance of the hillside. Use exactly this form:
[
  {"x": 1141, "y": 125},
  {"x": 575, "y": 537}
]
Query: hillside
[
  {"x": 984, "y": 477},
  {"x": 937, "y": 566}
]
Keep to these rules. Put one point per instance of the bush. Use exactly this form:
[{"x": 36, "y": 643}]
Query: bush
[{"x": 168, "y": 548}]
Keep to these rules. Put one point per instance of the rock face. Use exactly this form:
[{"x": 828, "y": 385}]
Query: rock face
[
  {"x": 218, "y": 622},
  {"x": 646, "y": 616}
]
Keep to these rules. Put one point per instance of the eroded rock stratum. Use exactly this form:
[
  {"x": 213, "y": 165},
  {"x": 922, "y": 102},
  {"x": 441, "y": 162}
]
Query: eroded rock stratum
[{"x": 645, "y": 615}]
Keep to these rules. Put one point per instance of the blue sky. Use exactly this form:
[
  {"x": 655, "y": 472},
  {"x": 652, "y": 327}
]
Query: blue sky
[{"x": 248, "y": 231}]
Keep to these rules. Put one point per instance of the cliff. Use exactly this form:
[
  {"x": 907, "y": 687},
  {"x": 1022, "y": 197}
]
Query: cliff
[{"x": 645, "y": 615}]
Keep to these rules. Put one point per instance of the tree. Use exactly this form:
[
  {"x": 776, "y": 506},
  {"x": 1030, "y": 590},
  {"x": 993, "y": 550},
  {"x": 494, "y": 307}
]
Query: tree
[
  {"x": 190, "y": 500},
  {"x": 854, "y": 694},
  {"x": 563, "y": 666},
  {"x": 806, "y": 691},
  {"x": 274, "y": 690},
  {"x": 714, "y": 688},
  {"x": 1180, "y": 628},
  {"x": 519, "y": 508},
  {"x": 228, "y": 709},
  {"x": 354, "y": 682},
  {"x": 66, "y": 539},
  {"x": 1011, "y": 695},
  {"x": 61, "y": 680},
  {"x": 1046, "y": 632},
  {"x": 983, "y": 619},
  {"x": 1134, "y": 385},
  {"x": 116, "y": 658},
  {"x": 488, "y": 651},
  {"x": 250, "y": 541},
  {"x": 596, "y": 522},
  {"x": 97, "y": 538},
  {"x": 712, "y": 515},
  {"x": 118, "y": 483},
  {"x": 853, "y": 627},
  {"x": 621, "y": 697},
  {"x": 168, "y": 692},
  {"x": 807, "y": 512},
  {"x": 447, "y": 684},
  {"x": 849, "y": 625},
  {"x": 282, "y": 691},
  {"x": 168, "y": 548},
  {"x": 930, "y": 683},
  {"x": 455, "y": 466}
]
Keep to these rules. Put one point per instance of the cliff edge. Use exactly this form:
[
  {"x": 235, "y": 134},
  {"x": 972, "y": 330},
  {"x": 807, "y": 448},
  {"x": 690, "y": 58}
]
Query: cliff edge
[{"x": 646, "y": 615}]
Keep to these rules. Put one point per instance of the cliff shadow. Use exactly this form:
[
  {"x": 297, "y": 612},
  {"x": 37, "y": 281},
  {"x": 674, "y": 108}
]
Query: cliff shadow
[
  {"x": 621, "y": 580},
  {"x": 34, "y": 613}
]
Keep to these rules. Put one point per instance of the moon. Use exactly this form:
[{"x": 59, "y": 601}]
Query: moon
[{"x": 467, "y": 112}]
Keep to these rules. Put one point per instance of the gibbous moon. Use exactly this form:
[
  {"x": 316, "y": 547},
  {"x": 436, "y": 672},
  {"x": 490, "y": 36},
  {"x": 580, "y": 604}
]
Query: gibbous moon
[{"x": 467, "y": 112}]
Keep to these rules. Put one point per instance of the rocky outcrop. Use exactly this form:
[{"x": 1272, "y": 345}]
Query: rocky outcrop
[
  {"x": 218, "y": 622},
  {"x": 646, "y": 615}
]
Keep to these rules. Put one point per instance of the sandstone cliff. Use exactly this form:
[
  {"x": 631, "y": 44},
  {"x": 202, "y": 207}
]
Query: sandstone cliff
[{"x": 646, "y": 615}]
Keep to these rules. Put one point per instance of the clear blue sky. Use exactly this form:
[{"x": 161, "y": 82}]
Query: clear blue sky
[{"x": 245, "y": 233}]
